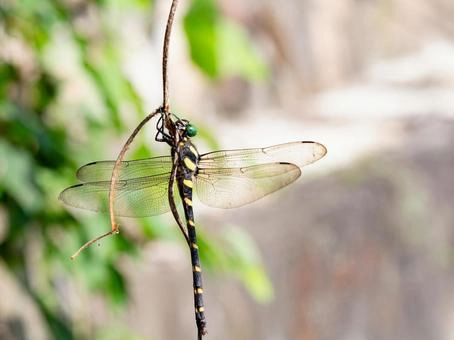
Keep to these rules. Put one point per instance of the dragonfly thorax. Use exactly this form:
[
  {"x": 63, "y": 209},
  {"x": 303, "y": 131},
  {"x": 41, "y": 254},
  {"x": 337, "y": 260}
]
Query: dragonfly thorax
[{"x": 188, "y": 156}]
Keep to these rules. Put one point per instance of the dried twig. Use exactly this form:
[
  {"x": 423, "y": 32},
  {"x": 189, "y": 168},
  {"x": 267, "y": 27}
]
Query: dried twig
[
  {"x": 165, "y": 109},
  {"x": 113, "y": 181},
  {"x": 114, "y": 178},
  {"x": 165, "y": 56},
  {"x": 89, "y": 243},
  {"x": 173, "y": 207}
]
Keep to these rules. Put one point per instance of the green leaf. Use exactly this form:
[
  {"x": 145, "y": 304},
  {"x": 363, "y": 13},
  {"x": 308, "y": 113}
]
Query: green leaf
[
  {"x": 200, "y": 25},
  {"x": 115, "y": 284},
  {"x": 246, "y": 258},
  {"x": 126, "y": 4},
  {"x": 236, "y": 253},
  {"x": 16, "y": 169},
  {"x": 237, "y": 55},
  {"x": 220, "y": 47},
  {"x": 117, "y": 332}
]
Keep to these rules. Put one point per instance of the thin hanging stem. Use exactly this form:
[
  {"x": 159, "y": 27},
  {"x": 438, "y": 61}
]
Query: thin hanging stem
[
  {"x": 114, "y": 178},
  {"x": 165, "y": 57},
  {"x": 115, "y": 228},
  {"x": 165, "y": 108},
  {"x": 171, "y": 196},
  {"x": 89, "y": 243}
]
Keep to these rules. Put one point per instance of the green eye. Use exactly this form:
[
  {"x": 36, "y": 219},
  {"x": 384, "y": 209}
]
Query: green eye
[{"x": 191, "y": 130}]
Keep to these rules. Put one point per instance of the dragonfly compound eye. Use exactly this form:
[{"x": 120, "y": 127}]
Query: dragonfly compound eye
[{"x": 191, "y": 130}]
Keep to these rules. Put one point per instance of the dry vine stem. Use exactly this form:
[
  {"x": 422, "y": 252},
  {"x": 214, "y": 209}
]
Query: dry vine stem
[
  {"x": 115, "y": 228},
  {"x": 165, "y": 56},
  {"x": 164, "y": 110},
  {"x": 170, "y": 196}
]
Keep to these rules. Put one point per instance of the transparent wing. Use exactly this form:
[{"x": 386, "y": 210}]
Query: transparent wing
[
  {"x": 138, "y": 197},
  {"x": 102, "y": 170},
  {"x": 234, "y": 187},
  {"x": 225, "y": 179},
  {"x": 298, "y": 153}
]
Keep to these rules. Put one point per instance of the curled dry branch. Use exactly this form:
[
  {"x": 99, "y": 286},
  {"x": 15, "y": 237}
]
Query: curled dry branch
[{"x": 164, "y": 109}]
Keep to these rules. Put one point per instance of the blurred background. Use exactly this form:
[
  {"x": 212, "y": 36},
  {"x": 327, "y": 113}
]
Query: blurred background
[{"x": 360, "y": 248}]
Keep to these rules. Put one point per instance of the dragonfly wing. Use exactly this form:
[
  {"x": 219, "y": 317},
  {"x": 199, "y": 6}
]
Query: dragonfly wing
[
  {"x": 102, "y": 170},
  {"x": 234, "y": 187},
  {"x": 298, "y": 153},
  {"x": 138, "y": 197}
]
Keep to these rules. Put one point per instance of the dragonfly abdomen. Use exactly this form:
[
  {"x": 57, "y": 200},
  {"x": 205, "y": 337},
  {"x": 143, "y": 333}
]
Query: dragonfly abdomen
[{"x": 188, "y": 160}]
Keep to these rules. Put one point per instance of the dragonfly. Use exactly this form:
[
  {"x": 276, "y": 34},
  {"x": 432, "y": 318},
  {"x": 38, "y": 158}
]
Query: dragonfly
[{"x": 221, "y": 179}]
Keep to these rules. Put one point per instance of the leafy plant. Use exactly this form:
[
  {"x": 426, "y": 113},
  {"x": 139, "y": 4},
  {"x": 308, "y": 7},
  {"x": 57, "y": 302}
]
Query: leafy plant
[{"x": 63, "y": 95}]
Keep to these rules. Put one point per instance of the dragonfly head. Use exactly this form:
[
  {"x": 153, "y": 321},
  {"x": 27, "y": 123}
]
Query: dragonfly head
[
  {"x": 191, "y": 130},
  {"x": 169, "y": 124},
  {"x": 186, "y": 128}
]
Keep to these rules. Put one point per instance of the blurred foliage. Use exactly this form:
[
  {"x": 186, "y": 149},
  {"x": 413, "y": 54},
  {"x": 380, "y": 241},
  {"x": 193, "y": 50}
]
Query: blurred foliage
[
  {"x": 114, "y": 332},
  {"x": 63, "y": 96},
  {"x": 236, "y": 253},
  {"x": 219, "y": 46}
]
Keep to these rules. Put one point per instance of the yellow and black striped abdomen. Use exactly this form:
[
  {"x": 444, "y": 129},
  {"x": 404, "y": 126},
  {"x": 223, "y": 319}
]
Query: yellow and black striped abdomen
[{"x": 187, "y": 169}]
